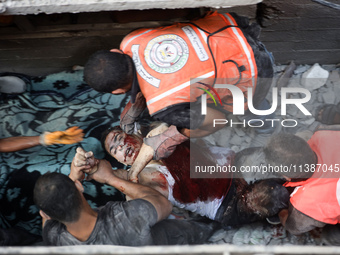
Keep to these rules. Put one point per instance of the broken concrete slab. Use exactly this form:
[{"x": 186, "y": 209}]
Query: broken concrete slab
[
  {"x": 23, "y": 7},
  {"x": 329, "y": 97},
  {"x": 314, "y": 78},
  {"x": 334, "y": 76}
]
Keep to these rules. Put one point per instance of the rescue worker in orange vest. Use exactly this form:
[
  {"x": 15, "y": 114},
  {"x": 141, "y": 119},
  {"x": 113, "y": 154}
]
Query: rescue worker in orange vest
[
  {"x": 314, "y": 173},
  {"x": 157, "y": 65}
]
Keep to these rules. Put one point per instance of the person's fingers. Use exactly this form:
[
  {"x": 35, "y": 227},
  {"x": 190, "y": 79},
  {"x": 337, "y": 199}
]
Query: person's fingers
[
  {"x": 80, "y": 151},
  {"x": 134, "y": 179},
  {"x": 70, "y": 136},
  {"x": 69, "y": 141},
  {"x": 79, "y": 162},
  {"x": 79, "y": 158},
  {"x": 89, "y": 154},
  {"x": 73, "y": 131},
  {"x": 49, "y": 138}
]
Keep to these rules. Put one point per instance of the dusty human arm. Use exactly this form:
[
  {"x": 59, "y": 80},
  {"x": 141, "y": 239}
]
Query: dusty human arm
[
  {"x": 162, "y": 141},
  {"x": 106, "y": 175},
  {"x": 69, "y": 136},
  {"x": 149, "y": 177},
  {"x": 297, "y": 222},
  {"x": 12, "y": 144},
  {"x": 131, "y": 113},
  {"x": 145, "y": 155},
  {"x": 84, "y": 162}
]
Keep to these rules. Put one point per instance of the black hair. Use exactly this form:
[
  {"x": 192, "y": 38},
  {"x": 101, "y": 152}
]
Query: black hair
[
  {"x": 106, "y": 71},
  {"x": 57, "y": 195},
  {"x": 144, "y": 129},
  {"x": 108, "y": 131},
  {"x": 290, "y": 150},
  {"x": 266, "y": 197}
]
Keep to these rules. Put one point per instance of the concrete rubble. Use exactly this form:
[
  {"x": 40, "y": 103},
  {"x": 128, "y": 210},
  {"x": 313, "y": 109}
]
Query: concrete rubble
[
  {"x": 314, "y": 78},
  {"x": 23, "y": 7},
  {"x": 326, "y": 90}
]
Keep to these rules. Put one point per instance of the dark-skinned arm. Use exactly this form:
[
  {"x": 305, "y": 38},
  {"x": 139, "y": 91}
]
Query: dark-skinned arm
[
  {"x": 69, "y": 136},
  {"x": 12, "y": 144}
]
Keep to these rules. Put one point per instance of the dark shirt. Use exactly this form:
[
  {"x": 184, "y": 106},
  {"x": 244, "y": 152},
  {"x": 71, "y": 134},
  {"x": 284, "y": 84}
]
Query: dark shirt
[{"x": 118, "y": 223}]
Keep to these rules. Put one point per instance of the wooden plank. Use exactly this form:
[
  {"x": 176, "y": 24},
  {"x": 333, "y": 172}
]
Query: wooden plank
[
  {"x": 23, "y": 23},
  {"x": 41, "y": 71},
  {"x": 329, "y": 56},
  {"x": 12, "y": 44},
  {"x": 318, "y": 35},
  {"x": 303, "y": 45},
  {"x": 79, "y": 30}
]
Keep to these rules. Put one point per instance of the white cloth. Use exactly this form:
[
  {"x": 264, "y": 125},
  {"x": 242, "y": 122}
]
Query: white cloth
[{"x": 204, "y": 208}]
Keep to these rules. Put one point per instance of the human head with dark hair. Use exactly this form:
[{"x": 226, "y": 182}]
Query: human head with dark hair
[
  {"x": 58, "y": 197},
  {"x": 106, "y": 132},
  {"x": 290, "y": 150},
  {"x": 264, "y": 198},
  {"x": 123, "y": 147},
  {"x": 109, "y": 72}
]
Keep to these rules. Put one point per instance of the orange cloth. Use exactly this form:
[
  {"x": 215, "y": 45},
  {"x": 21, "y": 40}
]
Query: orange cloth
[
  {"x": 319, "y": 196},
  {"x": 166, "y": 58}
]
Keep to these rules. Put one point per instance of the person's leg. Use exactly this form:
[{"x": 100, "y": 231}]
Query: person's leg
[{"x": 180, "y": 232}]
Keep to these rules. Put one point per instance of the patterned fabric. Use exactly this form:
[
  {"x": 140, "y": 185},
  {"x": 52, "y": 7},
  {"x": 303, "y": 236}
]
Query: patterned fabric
[{"x": 51, "y": 103}]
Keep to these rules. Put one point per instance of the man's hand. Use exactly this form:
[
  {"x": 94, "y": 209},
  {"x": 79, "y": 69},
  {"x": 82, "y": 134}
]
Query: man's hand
[
  {"x": 69, "y": 136},
  {"x": 165, "y": 143},
  {"x": 145, "y": 155},
  {"x": 131, "y": 112},
  {"x": 83, "y": 162},
  {"x": 104, "y": 173}
]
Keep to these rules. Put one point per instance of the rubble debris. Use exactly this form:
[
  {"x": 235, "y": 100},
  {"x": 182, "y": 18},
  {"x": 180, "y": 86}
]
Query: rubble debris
[
  {"x": 262, "y": 233},
  {"x": 314, "y": 78}
]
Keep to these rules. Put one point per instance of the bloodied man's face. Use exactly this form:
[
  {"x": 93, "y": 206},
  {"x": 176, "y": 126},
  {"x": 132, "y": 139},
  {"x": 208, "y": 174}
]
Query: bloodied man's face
[{"x": 123, "y": 147}]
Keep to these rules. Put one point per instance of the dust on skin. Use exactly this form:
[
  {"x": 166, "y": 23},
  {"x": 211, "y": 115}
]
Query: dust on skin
[
  {"x": 123, "y": 147},
  {"x": 92, "y": 161}
]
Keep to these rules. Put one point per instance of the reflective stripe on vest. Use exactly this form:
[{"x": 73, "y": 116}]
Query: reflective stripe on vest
[
  {"x": 169, "y": 59},
  {"x": 319, "y": 196}
]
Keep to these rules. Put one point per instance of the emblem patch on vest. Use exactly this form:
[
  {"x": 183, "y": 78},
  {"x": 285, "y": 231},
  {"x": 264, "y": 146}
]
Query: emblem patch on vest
[{"x": 166, "y": 53}]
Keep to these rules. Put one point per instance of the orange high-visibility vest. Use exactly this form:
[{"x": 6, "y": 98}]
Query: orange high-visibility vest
[
  {"x": 319, "y": 196},
  {"x": 167, "y": 58}
]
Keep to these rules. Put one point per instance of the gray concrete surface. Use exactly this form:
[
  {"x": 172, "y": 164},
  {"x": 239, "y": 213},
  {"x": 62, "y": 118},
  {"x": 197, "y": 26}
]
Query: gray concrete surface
[{"x": 8, "y": 7}]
